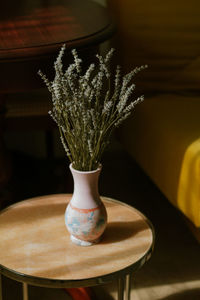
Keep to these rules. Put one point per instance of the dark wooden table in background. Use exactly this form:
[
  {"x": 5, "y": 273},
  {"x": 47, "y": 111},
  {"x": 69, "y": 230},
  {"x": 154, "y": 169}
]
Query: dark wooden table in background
[{"x": 31, "y": 34}]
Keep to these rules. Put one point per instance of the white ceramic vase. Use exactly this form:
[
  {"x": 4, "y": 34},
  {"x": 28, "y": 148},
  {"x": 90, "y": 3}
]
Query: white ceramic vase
[{"x": 85, "y": 215}]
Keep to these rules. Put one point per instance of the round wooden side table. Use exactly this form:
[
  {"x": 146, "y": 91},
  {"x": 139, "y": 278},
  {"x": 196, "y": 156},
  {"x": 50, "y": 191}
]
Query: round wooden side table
[{"x": 35, "y": 247}]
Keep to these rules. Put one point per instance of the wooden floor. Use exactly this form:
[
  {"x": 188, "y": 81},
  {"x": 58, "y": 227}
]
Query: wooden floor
[{"x": 173, "y": 272}]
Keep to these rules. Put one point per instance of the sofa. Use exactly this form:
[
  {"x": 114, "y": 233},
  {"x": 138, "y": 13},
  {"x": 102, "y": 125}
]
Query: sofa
[{"x": 163, "y": 133}]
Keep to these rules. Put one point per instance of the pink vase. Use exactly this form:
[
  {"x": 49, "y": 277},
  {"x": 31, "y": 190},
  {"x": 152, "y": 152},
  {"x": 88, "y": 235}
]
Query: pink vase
[{"x": 85, "y": 215}]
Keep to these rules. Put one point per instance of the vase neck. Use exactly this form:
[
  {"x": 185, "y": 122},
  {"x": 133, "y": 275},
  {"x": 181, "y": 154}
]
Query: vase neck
[{"x": 86, "y": 193}]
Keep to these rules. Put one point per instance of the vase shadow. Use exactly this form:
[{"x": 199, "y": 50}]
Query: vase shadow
[{"x": 119, "y": 231}]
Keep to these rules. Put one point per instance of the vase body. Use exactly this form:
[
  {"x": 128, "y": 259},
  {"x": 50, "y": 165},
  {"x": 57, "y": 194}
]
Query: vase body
[{"x": 85, "y": 215}]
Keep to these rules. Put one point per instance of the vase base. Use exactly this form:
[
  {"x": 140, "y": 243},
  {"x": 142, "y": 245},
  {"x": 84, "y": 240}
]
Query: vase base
[{"x": 83, "y": 243}]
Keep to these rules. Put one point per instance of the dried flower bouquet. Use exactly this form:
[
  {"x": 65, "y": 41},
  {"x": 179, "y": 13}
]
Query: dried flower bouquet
[{"x": 88, "y": 107}]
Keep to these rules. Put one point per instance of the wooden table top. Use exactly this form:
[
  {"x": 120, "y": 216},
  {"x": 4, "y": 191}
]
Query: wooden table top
[
  {"x": 32, "y": 33},
  {"x": 37, "y": 27},
  {"x": 35, "y": 246}
]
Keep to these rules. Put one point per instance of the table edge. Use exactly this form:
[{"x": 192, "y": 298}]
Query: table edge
[{"x": 96, "y": 38}]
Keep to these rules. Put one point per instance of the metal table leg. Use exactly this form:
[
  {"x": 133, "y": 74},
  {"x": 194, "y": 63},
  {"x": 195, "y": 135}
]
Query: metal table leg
[
  {"x": 120, "y": 288},
  {"x": 25, "y": 291},
  {"x": 128, "y": 286}
]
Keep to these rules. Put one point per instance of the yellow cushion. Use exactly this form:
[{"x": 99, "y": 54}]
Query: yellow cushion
[
  {"x": 188, "y": 198},
  {"x": 163, "y": 135}
]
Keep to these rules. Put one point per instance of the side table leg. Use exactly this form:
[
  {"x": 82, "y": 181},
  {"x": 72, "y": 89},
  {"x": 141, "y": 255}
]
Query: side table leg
[
  {"x": 128, "y": 286},
  {"x": 1, "y": 296},
  {"x": 120, "y": 288},
  {"x": 25, "y": 291}
]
